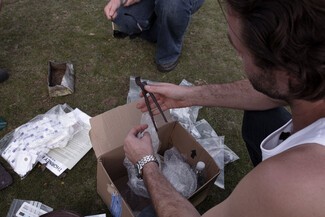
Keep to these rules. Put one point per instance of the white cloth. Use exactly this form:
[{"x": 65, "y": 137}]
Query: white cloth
[{"x": 314, "y": 133}]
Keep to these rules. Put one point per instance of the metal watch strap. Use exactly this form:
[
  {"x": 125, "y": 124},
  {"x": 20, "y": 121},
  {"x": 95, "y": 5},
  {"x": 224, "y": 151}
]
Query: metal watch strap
[{"x": 140, "y": 164}]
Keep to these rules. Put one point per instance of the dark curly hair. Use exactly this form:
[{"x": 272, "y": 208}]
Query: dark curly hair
[{"x": 289, "y": 35}]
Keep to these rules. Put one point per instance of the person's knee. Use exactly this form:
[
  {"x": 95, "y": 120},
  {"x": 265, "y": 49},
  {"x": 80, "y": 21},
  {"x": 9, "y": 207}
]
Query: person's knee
[
  {"x": 126, "y": 23},
  {"x": 171, "y": 8}
]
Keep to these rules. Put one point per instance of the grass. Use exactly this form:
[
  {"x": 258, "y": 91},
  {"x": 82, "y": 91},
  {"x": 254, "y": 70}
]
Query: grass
[{"x": 34, "y": 32}]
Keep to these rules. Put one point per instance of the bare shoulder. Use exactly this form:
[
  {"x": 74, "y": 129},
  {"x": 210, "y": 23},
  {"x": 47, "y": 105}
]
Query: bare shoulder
[{"x": 289, "y": 184}]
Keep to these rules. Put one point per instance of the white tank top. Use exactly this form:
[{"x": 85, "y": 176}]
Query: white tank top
[{"x": 314, "y": 133}]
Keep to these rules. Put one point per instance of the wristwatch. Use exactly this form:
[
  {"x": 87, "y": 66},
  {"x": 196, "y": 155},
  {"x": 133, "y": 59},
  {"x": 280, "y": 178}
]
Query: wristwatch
[{"x": 140, "y": 164}]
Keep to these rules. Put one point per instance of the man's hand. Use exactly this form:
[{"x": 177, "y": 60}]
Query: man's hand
[
  {"x": 130, "y": 2},
  {"x": 136, "y": 148},
  {"x": 168, "y": 96},
  {"x": 111, "y": 9},
  {"x": 112, "y": 6}
]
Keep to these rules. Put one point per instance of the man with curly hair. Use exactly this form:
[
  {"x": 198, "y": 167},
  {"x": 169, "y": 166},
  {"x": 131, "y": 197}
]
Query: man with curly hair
[{"x": 282, "y": 46}]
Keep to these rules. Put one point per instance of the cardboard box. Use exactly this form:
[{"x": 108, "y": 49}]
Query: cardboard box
[{"x": 107, "y": 134}]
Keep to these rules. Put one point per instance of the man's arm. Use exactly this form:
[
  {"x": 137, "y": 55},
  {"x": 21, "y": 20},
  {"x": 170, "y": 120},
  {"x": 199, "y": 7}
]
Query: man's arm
[
  {"x": 166, "y": 200},
  {"x": 236, "y": 95}
]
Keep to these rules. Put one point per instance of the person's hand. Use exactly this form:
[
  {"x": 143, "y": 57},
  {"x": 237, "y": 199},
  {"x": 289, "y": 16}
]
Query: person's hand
[
  {"x": 112, "y": 6},
  {"x": 111, "y": 9},
  {"x": 136, "y": 148},
  {"x": 168, "y": 96},
  {"x": 130, "y": 2}
]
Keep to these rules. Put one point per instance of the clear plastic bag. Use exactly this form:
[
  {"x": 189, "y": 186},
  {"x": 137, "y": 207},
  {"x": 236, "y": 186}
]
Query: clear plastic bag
[
  {"x": 135, "y": 184},
  {"x": 215, "y": 146},
  {"x": 179, "y": 173},
  {"x": 146, "y": 119},
  {"x": 174, "y": 168},
  {"x": 23, "y": 147}
]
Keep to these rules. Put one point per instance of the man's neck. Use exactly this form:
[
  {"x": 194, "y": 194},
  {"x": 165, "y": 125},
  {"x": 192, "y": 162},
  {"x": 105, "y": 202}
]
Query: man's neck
[{"x": 305, "y": 113}]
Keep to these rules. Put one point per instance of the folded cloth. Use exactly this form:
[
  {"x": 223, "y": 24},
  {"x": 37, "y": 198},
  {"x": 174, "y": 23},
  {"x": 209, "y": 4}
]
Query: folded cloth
[{"x": 5, "y": 178}]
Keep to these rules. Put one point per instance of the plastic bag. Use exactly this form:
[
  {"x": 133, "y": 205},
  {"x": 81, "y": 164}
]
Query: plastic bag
[
  {"x": 179, "y": 173},
  {"x": 215, "y": 146},
  {"x": 174, "y": 168},
  {"x": 136, "y": 184},
  {"x": 146, "y": 119},
  {"x": 23, "y": 147}
]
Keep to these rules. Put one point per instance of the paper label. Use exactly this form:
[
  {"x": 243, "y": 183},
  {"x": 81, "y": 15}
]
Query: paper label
[
  {"x": 53, "y": 165},
  {"x": 116, "y": 205},
  {"x": 30, "y": 210}
]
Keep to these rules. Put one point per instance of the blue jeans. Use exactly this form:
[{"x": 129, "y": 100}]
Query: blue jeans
[
  {"x": 257, "y": 125},
  {"x": 161, "y": 21}
]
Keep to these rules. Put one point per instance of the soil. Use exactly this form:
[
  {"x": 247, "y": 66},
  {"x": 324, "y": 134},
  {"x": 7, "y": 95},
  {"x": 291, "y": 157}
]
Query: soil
[{"x": 56, "y": 73}]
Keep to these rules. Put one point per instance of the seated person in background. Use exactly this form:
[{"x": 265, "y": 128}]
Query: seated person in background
[
  {"x": 161, "y": 21},
  {"x": 282, "y": 46}
]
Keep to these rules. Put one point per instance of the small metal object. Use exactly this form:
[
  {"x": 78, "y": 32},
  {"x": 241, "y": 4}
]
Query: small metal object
[{"x": 144, "y": 93}]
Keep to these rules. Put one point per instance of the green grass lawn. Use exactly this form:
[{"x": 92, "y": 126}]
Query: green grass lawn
[{"x": 34, "y": 32}]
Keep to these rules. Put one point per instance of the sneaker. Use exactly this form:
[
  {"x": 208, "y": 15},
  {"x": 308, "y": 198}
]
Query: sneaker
[
  {"x": 3, "y": 75},
  {"x": 167, "y": 67}
]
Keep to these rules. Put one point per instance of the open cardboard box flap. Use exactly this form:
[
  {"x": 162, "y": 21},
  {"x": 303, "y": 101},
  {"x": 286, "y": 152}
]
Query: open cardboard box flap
[{"x": 109, "y": 129}]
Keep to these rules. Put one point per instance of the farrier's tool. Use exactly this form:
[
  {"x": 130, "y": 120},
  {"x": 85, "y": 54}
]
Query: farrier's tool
[{"x": 145, "y": 93}]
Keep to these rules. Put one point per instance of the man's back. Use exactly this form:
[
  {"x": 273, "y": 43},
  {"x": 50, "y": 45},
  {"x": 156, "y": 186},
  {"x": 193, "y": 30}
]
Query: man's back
[{"x": 289, "y": 184}]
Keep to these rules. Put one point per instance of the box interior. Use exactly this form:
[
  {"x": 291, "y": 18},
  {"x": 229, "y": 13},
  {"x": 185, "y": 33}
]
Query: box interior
[
  {"x": 170, "y": 135},
  {"x": 56, "y": 73}
]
